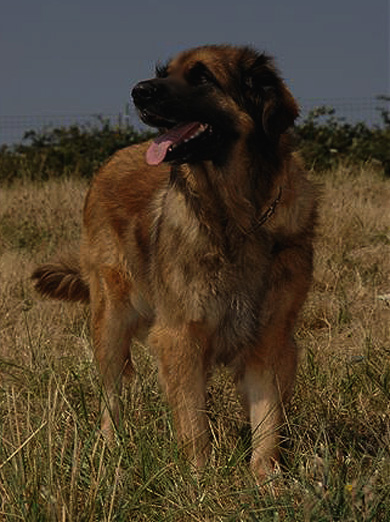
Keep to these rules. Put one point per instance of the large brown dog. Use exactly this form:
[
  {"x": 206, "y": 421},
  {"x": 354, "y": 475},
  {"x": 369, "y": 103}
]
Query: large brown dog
[{"x": 204, "y": 236}]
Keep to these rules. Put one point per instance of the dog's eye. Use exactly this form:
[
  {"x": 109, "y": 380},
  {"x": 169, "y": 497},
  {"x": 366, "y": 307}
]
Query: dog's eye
[
  {"x": 199, "y": 74},
  {"x": 161, "y": 71}
]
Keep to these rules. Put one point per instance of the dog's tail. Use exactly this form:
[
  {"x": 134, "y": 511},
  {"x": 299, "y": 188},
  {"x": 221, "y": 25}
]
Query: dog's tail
[{"x": 61, "y": 280}]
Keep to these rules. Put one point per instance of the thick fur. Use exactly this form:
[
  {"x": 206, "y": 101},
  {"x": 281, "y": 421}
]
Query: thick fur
[{"x": 210, "y": 252}]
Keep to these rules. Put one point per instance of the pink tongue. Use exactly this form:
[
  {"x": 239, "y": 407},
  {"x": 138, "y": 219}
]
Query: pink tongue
[{"x": 159, "y": 148}]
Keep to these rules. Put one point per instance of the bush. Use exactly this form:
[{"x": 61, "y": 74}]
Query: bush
[
  {"x": 76, "y": 150},
  {"x": 326, "y": 140}
]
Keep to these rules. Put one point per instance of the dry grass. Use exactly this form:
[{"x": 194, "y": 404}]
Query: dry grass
[{"x": 53, "y": 463}]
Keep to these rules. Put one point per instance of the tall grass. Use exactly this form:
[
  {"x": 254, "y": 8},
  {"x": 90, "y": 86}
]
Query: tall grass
[{"x": 54, "y": 465}]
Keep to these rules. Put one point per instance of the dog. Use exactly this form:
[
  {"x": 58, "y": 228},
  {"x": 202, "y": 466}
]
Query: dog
[{"x": 203, "y": 238}]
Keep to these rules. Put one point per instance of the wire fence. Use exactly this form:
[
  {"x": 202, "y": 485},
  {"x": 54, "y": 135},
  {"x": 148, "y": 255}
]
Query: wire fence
[
  {"x": 367, "y": 110},
  {"x": 14, "y": 128}
]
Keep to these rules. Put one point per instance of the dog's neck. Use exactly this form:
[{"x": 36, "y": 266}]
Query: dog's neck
[{"x": 224, "y": 200}]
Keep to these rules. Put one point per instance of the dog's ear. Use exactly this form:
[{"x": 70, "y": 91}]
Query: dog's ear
[
  {"x": 279, "y": 111},
  {"x": 271, "y": 100}
]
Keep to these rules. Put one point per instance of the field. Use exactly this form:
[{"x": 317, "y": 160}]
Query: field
[{"x": 54, "y": 465}]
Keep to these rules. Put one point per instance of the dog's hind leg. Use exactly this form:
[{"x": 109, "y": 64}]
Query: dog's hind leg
[
  {"x": 181, "y": 354},
  {"x": 113, "y": 324}
]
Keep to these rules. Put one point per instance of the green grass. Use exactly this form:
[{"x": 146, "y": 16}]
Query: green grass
[{"x": 54, "y": 465}]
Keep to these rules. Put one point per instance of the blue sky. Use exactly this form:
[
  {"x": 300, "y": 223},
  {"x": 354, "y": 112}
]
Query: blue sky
[{"x": 62, "y": 57}]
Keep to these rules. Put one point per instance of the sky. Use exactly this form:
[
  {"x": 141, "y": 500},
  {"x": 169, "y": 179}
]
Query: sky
[{"x": 83, "y": 56}]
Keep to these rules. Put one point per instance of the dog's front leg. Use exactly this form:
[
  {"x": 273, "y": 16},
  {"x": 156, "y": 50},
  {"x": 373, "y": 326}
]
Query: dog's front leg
[
  {"x": 181, "y": 354},
  {"x": 263, "y": 408},
  {"x": 267, "y": 382}
]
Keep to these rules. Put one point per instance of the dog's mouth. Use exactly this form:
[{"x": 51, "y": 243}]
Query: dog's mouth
[{"x": 178, "y": 142}]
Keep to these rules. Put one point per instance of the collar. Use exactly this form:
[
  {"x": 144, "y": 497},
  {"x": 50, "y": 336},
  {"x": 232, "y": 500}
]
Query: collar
[{"x": 267, "y": 214}]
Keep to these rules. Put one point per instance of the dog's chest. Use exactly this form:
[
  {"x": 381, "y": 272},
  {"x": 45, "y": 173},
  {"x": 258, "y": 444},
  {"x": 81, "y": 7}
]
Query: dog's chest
[{"x": 196, "y": 281}]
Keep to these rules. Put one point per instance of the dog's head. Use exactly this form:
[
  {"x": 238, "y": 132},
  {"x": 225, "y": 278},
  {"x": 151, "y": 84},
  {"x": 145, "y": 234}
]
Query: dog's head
[{"x": 208, "y": 98}]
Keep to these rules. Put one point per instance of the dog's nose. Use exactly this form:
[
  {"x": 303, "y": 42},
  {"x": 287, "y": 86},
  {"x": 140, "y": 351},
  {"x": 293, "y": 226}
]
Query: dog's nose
[{"x": 145, "y": 92}]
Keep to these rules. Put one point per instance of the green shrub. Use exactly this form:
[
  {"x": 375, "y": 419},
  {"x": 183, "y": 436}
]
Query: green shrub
[
  {"x": 326, "y": 140},
  {"x": 76, "y": 150}
]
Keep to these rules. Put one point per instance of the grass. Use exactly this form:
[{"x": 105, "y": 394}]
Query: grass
[{"x": 54, "y": 464}]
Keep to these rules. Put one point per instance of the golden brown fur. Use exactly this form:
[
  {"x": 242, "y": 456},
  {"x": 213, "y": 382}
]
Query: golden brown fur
[{"x": 212, "y": 256}]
